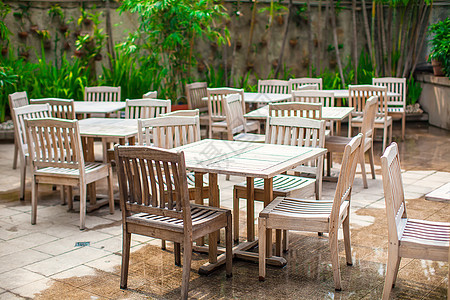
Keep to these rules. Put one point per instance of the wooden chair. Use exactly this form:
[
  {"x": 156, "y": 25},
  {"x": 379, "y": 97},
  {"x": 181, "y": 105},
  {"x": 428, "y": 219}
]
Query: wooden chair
[
  {"x": 294, "y": 131},
  {"x": 296, "y": 83},
  {"x": 146, "y": 108},
  {"x": 338, "y": 143},
  {"x": 150, "y": 95},
  {"x": 396, "y": 105},
  {"x": 307, "y": 87},
  {"x": 20, "y": 114},
  {"x": 155, "y": 202},
  {"x": 216, "y": 110},
  {"x": 57, "y": 158},
  {"x": 358, "y": 95},
  {"x": 296, "y": 109},
  {"x": 195, "y": 92},
  {"x": 314, "y": 215},
  {"x": 274, "y": 86},
  {"x": 410, "y": 238},
  {"x": 102, "y": 94},
  {"x": 16, "y": 99},
  {"x": 235, "y": 125},
  {"x": 183, "y": 113},
  {"x": 311, "y": 96},
  {"x": 60, "y": 108}
]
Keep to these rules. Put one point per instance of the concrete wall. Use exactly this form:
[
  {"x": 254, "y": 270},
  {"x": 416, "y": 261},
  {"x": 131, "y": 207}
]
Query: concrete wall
[{"x": 435, "y": 99}]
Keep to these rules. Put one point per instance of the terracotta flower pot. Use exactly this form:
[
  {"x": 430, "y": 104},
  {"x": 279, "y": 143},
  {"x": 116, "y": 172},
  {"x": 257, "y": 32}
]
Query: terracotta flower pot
[
  {"x": 78, "y": 53},
  {"x": 98, "y": 57},
  {"x": 23, "y": 34},
  {"x": 24, "y": 55},
  {"x": 4, "y": 51},
  {"x": 238, "y": 45},
  {"x": 47, "y": 45},
  {"x": 437, "y": 68},
  {"x": 293, "y": 42},
  {"x": 63, "y": 28},
  {"x": 34, "y": 28},
  {"x": 280, "y": 20},
  {"x": 66, "y": 45}
]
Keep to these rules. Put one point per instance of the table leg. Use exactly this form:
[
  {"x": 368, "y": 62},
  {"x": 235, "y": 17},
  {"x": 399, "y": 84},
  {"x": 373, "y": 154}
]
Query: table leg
[
  {"x": 250, "y": 209},
  {"x": 268, "y": 197},
  {"x": 199, "y": 198},
  {"x": 88, "y": 149},
  {"x": 213, "y": 201}
]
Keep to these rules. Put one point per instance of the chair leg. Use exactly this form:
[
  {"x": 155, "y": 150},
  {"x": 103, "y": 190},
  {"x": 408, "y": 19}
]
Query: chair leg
[
  {"x": 403, "y": 126},
  {"x": 390, "y": 133},
  {"x": 347, "y": 243},
  {"x": 83, "y": 193},
  {"x": 126, "y": 240},
  {"x": 23, "y": 175},
  {"x": 229, "y": 247},
  {"x": 110, "y": 191},
  {"x": 262, "y": 248},
  {"x": 34, "y": 199},
  {"x": 363, "y": 169},
  {"x": 62, "y": 194},
  {"x": 329, "y": 163},
  {"x": 69, "y": 198},
  {"x": 163, "y": 244},
  {"x": 372, "y": 166},
  {"x": 186, "y": 268},
  {"x": 335, "y": 260},
  {"x": 385, "y": 133},
  {"x": 278, "y": 236},
  {"x": 285, "y": 241},
  {"x": 236, "y": 215},
  {"x": 16, "y": 154},
  {"x": 177, "y": 253},
  {"x": 391, "y": 271}
]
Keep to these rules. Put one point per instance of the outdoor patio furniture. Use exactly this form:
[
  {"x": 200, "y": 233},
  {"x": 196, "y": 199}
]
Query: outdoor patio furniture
[
  {"x": 16, "y": 99},
  {"x": 338, "y": 143},
  {"x": 307, "y": 87},
  {"x": 396, "y": 104},
  {"x": 195, "y": 92},
  {"x": 293, "y": 131},
  {"x": 20, "y": 115},
  {"x": 102, "y": 94},
  {"x": 274, "y": 86},
  {"x": 295, "y": 83},
  {"x": 150, "y": 95},
  {"x": 57, "y": 158},
  {"x": 358, "y": 95},
  {"x": 60, "y": 108},
  {"x": 102, "y": 108},
  {"x": 314, "y": 96},
  {"x": 410, "y": 238},
  {"x": 146, "y": 108},
  {"x": 183, "y": 113},
  {"x": 155, "y": 202},
  {"x": 315, "y": 215},
  {"x": 296, "y": 109}
]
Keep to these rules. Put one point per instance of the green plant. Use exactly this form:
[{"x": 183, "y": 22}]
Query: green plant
[
  {"x": 413, "y": 91},
  {"x": 7, "y": 81},
  {"x": 440, "y": 44},
  {"x": 57, "y": 11},
  {"x": 4, "y": 31}
]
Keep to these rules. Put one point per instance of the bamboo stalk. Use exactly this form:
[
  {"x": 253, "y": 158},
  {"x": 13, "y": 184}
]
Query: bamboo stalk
[
  {"x": 336, "y": 44},
  {"x": 319, "y": 38},
  {"x": 286, "y": 30},
  {"x": 355, "y": 42},
  {"x": 310, "y": 46}
]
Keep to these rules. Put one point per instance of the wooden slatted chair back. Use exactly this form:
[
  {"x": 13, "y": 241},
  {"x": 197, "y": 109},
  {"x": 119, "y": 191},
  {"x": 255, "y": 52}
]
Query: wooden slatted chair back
[
  {"x": 150, "y": 95},
  {"x": 55, "y": 143},
  {"x": 28, "y": 112},
  {"x": 146, "y": 108},
  {"x": 61, "y": 108},
  {"x": 394, "y": 85},
  {"x": 368, "y": 122},
  {"x": 352, "y": 153},
  {"x": 194, "y": 93},
  {"x": 296, "y": 109},
  {"x": 153, "y": 181},
  {"x": 307, "y": 87},
  {"x": 18, "y": 99},
  {"x": 311, "y": 96},
  {"x": 393, "y": 191},
  {"x": 183, "y": 113},
  {"x": 102, "y": 94},
  {"x": 274, "y": 86},
  {"x": 169, "y": 131},
  {"x": 358, "y": 95},
  {"x": 236, "y": 122},
  {"x": 215, "y": 103},
  {"x": 296, "y": 83}
]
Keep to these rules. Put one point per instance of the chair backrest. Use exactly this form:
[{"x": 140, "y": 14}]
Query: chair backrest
[
  {"x": 307, "y": 87},
  {"x": 295, "y": 131},
  {"x": 369, "y": 113},
  {"x": 194, "y": 94},
  {"x": 393, "y": 191},
  {"x": 350, "y": 158},
  {"x": 61, "y": 108},
  {"x": 296, "y": 109},
  {"x": 153, "y": 181},
  {"x": 27, "y": 112},
  {"x": 146, "y": 108},
  {"x": 215, "y": 103},
  {"x": 358, "y": 95},
  {"x": 18, "y": 99},
  {"x": 274, "y": 86},
  {"x": 55, "y": 143},
  {"x": 169, "y": 131},
  {"x": 311, "y": 96},
  {"x": 236, "y": 122},
  {"x": 102, "y": 94},
  {"x": 183, "y": 113},
  {"x": 295, "y": 83},
  {"x": 394, "y": 85},
  {"x": 151, "y": 95}
]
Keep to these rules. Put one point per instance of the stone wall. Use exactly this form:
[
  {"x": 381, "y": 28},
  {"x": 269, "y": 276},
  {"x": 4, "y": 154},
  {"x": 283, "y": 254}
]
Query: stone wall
[{"x": 435, "y": 99}]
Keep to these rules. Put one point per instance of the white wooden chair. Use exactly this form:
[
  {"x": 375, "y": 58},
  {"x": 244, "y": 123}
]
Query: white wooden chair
[
  {"x": 150, "y": 95},
  {"x": 57, "y": 158},
  {"x": 235, "y": 125},
  {"x": 410, "y": 238},
  {"x": 146, "y": 108},
  {"x": 60, "y": 108},
  {"x": 294, "y": 131},
  {"x": 296, "y": 83},
  {"x": 195, "y": 92},
  {"x": 396, "y": 104},
  {"x": 314, "y": 215},
  {"x": 102, "y": 94},
  {"x": 274, "y": 86},
  {"x": 358, "y": 95},
  {"x": 314, "y": 96},
  {"x": 20, "y": 114},
  {"x": 296, "y": 109},
  {"x": 155, "y": 202},
  {"x": 338, "y": 143},
  {"x": 183, "y": 113},
  {"x": 216, "y": 110},
  {"x": 16, "y": 99}
]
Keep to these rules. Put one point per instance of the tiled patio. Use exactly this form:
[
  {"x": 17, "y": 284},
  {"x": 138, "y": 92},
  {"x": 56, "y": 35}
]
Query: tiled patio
[{"x": 43, "y": 261}]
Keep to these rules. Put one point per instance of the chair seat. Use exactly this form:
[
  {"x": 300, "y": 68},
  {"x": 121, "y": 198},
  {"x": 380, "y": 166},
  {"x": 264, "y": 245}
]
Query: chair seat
[
  {"x": 358, "y": 120},
  {"x": 92, "y": 169},
  {"x": 250, "y": 137},
  {"x": 201, "y": 216},
  {"x": 337, "y": 143},
  {"x": 396, "y": 110},
  {"x": 222, "y": 126},
  {"x": 282, "y": 184}
]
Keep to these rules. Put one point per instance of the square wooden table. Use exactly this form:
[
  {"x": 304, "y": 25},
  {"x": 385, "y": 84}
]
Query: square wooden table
[
  {"x": 250, "y": 160},
  {"x": 91, "y": 107}
]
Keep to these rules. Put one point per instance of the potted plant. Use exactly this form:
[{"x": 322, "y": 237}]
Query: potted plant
[
  {"x": 440, "y": 47},
  {"x": 56, "y": 12},
  {"x": 4, "y": 31}
]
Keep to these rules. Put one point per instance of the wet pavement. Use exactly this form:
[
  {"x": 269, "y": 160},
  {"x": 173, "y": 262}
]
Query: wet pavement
[{"x": 42, "y": 261}]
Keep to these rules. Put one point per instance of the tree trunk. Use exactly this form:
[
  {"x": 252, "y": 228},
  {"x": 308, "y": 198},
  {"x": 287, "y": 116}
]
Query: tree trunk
[
  {"x": 310, "y": 45},
  {"x": 112, "y": 53},
  {"x": 355, "y": 42},
  {"x": 367, "y": 30},
  {"x": 372, "y": 41},
  {"x": 319, "y": 39},
  {"x": 286, "y": 30},
  {"x": 428, "y": 12},
  {"x": 336, "y": 43},
  {"x": 252, "y": 28}
]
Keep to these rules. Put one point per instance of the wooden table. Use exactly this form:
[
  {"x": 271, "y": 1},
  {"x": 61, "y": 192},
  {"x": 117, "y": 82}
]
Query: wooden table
[
  {"x": 90, "y": 107},
  {"x": 249, "y": 160}
]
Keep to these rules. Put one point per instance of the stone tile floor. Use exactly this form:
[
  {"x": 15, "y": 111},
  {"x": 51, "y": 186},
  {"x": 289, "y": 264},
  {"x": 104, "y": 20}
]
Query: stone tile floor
[{"x": 42, "y": 261}]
